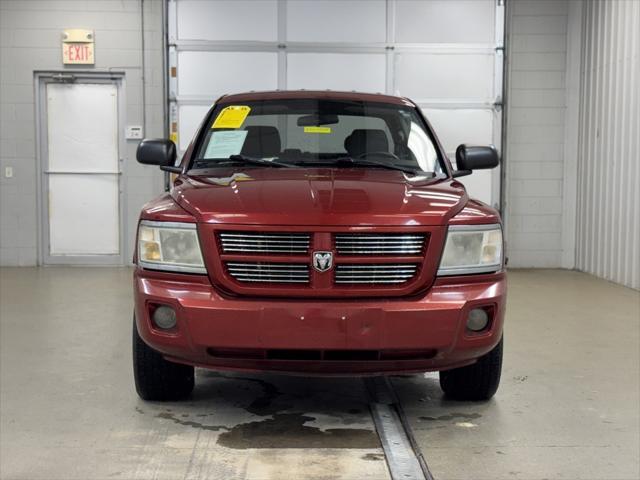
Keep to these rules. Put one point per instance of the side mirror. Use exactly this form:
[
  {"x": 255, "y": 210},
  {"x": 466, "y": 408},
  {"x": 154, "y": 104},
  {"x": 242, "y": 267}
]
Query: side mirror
[
  {"x": 470, "y": 158},
  {"x": 158, "y": 151}
]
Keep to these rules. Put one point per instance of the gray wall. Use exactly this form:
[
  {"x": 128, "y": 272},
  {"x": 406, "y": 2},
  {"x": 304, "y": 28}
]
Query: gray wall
[
  {"x": 30, "y": 36},
  {"x": 609, "y": 144}
]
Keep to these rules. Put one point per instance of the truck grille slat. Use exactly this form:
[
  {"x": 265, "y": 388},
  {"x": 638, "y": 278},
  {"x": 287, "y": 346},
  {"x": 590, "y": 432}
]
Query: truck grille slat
[
  {"x": 275, "y": 270},
  {"x": 268, "y": 272},
  {"x": 392, "y": 243},
  {"x": 264, "y": 242},
  {"x": 379, "y": 244},
  {"x": 379, "y": 236},
  {"x": 375, "y": 274},
  {"x": 403, "y": 273},
  {"x": 380, "y": 252}
]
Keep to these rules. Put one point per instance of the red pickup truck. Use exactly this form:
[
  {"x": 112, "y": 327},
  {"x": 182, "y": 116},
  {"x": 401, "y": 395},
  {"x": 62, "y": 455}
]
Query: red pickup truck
[{"x": 317, "y": 233}]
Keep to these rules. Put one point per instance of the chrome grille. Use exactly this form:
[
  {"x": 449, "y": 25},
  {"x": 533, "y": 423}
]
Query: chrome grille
[
  {"x": 262, "y": 242},
  {"x": 269, "y": 272},
  {"x": 375, "y": 274},
  {"x": 379, "y": 243}
]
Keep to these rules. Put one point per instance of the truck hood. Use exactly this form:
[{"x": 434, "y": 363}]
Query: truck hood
[{"x": 318, "y": 196}]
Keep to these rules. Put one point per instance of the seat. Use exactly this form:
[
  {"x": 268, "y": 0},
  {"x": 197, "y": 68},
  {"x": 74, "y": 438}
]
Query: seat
[
  {"x": 363, "y": 141},
  {"x": 261, "y": 142}
]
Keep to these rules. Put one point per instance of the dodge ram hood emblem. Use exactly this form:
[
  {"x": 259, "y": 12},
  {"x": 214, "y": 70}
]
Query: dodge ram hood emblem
[{"x": 322, "y": 261}]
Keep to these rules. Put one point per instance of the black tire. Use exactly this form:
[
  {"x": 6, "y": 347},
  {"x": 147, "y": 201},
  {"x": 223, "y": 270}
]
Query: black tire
[
  {"x": 156, "y": 378},
  {"x": 474, "y": 382}
]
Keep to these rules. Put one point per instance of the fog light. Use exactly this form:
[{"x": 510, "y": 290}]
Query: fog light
[
  {"x": 164, "y": 317},
  {"x": 478, "y": 320}
]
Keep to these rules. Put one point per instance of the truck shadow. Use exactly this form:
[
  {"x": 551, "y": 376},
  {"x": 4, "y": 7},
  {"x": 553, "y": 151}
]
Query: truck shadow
[{"x": 255, "y": 410}]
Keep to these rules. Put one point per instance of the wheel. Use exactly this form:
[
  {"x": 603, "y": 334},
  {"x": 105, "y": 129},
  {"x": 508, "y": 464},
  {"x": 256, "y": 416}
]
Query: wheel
[
  {"x": 157, "y": 378},
  {"x": 474, "y": 382}
]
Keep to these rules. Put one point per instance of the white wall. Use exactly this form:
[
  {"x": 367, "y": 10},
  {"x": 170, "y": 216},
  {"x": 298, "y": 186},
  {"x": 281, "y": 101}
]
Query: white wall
[
  {"x": 536, "y": 113},
  {"x": 608, "y": 207},
  {"x": 573, "y": 131},
  {"x": 30, "y": 36}
]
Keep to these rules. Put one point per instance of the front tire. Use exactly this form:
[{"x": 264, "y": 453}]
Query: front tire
[
  {"x": 474, "y": 382},
  {"x": 156, "y": 378}
]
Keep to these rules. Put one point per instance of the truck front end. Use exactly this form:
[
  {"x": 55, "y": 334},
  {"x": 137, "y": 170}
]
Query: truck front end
[{"x": 318, "y": 234}]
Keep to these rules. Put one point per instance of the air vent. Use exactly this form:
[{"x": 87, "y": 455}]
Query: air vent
[
  {"x": 379, "y": 243},
  {"x": 249, "y": 242},
  {"x": 375, "y": 274},
  {"x": 269, "y": 272}
]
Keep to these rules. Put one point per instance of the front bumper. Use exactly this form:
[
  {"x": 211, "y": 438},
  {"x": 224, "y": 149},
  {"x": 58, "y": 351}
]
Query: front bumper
[{"x": 320, "y": 336}]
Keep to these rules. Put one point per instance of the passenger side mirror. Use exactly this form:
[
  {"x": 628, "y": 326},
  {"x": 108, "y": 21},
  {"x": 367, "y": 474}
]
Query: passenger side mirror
[
  {"x": 158, "y": 151},
  {"x": 469, "y": 158}
]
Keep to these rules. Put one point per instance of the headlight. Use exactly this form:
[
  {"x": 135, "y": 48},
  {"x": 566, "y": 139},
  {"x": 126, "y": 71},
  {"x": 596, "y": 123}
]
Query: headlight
[
  {"x": 170, "y": 246},
  {"x": 472, "y": 249}
]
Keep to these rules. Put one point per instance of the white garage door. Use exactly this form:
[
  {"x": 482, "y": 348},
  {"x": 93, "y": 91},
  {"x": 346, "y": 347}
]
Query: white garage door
[{"x": 446, "y": 55}]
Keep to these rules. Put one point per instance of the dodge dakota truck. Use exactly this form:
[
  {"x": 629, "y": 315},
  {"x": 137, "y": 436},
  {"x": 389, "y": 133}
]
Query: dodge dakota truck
[{"x": 317, "y": 233}]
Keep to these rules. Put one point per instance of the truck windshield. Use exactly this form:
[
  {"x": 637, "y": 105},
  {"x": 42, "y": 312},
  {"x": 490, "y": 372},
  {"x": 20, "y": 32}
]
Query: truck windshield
[{"x": 317, "y": 132}]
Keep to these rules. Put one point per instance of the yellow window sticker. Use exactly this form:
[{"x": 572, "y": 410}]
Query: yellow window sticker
[
  {"x": 317, "y": 129},
  {"x": 231, "y": 117}
]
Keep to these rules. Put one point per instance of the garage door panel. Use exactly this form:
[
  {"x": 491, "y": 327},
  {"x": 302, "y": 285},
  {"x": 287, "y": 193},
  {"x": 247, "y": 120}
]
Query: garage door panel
[
  {"x": 445, "y": 21},
  {"x": 429, "y": 76},
  {"x": 336, "y": 71},
  {"x": 471, "y": 126},
  {"x": 331, "y": 21},
  {"x": 479, "y": 185},
  {"x": 218, "y": 21},
  {"x": 189, "y": 118},
  {"x": 456, "y": 126},
  {"x": 215, "y": 73}
]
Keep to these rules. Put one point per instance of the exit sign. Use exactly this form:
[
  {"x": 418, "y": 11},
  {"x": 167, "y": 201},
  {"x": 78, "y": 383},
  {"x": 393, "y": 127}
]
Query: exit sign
[{"x": 78, "y": 47}]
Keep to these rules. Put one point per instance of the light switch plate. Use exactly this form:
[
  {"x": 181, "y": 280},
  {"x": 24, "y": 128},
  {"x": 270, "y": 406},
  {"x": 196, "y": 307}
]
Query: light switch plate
[
  {"x": 8, "y": 172},
  {"x": 134, "y": 132}
]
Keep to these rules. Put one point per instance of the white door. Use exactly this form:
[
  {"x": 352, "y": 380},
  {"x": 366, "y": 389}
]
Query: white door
[
  {"x": 82, "y": 174},
  {"x": 446, "y": 55}
]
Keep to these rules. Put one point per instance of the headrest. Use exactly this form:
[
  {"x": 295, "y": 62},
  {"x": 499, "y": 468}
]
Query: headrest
[
  {"x": 261, "y": 141},
  {"x": 366, "y": 140}
]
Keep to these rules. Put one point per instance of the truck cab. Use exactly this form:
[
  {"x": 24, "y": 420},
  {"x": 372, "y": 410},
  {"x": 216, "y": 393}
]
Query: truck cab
[{"x": 317, "y": 233}]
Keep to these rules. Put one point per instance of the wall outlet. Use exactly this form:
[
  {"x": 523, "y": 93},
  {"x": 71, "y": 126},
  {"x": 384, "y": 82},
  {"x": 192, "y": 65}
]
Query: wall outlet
[{"x": 8, "y": 172}]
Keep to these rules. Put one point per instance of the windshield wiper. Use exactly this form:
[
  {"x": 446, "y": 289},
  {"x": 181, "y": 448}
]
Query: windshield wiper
[
  {"x": 373, "y": 163},
  {"x": 240, "y": 159}
]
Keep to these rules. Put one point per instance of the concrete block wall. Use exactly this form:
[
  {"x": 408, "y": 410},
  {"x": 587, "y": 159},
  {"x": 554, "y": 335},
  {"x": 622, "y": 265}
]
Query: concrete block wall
[
  {"x": 536, "y": 113},
  {"x": 30, "y": 36}
]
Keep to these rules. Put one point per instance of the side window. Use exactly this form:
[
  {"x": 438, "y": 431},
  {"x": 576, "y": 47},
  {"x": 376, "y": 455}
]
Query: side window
[{"x": 422, "y": 148}]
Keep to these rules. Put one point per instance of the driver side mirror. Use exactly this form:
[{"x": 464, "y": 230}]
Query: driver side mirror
[
  {"x": 469, "y": 158},
  {"x": 158, "y": 151}
]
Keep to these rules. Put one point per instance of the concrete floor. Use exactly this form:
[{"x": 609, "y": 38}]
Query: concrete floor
[{"x": 568, "y": 406}]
